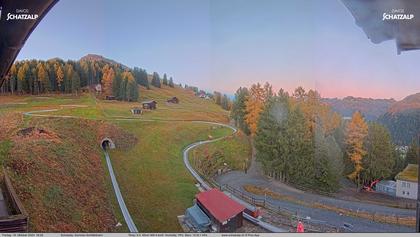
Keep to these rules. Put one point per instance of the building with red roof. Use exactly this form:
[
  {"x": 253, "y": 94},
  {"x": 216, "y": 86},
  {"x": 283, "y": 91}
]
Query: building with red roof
[{"x": 225, "y": 213}]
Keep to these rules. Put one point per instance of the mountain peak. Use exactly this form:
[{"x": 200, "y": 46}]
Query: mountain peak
[
  {"x": 97, "y": 57},
  {"x": 411, "y": 102},
  {"x": 94, "y": 57}
]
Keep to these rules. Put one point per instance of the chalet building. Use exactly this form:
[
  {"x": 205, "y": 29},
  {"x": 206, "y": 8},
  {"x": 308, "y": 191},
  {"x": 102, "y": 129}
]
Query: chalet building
[
  {"x": 225, "y": 214},
  {"x": 151, "y": 104},
  {"x": 407, "y": 182},
  {"x": 173, "y": 100},
  {"x": 136, "y": 110}
]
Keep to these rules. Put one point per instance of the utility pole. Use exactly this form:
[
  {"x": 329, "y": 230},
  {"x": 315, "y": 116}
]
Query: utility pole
[{"x": 418, "y": 187}]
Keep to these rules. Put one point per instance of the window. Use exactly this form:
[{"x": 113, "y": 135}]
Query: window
[
  {"x": 403, "y": 192},
  {"x": 408, "y": 185},
  {"x": 403, "y": 184}
]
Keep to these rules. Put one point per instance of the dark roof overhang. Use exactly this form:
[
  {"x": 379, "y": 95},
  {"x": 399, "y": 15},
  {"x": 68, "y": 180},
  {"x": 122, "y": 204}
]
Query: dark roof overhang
[
  {"x": 14, "y": 33},
  {"x": 373, "y": 17}
]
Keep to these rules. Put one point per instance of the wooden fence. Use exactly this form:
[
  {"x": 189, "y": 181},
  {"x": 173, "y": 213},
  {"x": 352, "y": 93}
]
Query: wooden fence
[{"x": 282, "y": 215}]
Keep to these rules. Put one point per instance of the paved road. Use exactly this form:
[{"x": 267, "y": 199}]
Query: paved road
[{"x": 238, "y": 179}]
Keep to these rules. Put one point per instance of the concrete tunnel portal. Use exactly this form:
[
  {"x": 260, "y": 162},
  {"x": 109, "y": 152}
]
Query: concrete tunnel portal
[{"x": 107, "y": 143}]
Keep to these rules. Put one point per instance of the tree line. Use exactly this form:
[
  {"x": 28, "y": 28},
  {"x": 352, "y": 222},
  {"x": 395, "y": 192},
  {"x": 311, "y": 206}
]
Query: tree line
[
  {"x": 301, "y": 141},
  {"x": 220, "y": 99},
  {"x": 59, "y": 76}
]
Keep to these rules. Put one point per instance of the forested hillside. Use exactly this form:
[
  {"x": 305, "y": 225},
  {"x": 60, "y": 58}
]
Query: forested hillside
[
  {"x": 59, "y": 76},
  {"x": 403, "y": 119},
  {"x": 370, "y": 108},
  {"x": 300, "y": 140}
]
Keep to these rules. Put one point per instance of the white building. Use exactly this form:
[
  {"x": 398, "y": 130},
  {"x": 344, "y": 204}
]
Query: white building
[{"x": 407, "y": 182}]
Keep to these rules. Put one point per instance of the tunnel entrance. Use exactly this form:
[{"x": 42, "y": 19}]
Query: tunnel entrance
[{"x": 107, "y": 143}]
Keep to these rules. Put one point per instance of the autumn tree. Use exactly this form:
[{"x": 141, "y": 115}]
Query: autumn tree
[
  {"x": 20, "y": 78},
  {"x": 43, "y": 78},
  {"x": 108, "y": 77},
  {"x": 60, "y": 77},
  {"x": 356, "y": 132},
  {"x": 129, "y": 83},
  {"x": 254, "y": 105}
]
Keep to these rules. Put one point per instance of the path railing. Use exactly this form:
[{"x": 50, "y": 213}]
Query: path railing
[{"x": 280, "y": 214}]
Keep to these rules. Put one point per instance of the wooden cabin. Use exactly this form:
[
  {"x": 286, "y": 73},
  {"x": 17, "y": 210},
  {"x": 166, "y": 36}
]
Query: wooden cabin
[
  {"x": 149, "y": 104},
  {"x": 173, "y": 100},
  {"x": 224, "y": 213}
]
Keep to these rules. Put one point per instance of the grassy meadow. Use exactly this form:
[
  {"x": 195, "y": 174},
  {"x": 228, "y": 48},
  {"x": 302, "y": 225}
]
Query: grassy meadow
[
  {"x": 151, "y": 174},
  {"x": 152, "y": 177},
  {"x": 234, "y": 153}
]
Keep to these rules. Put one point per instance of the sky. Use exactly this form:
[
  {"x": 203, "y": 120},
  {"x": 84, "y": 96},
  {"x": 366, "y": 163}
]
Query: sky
[{"x": 222, "y": 45}]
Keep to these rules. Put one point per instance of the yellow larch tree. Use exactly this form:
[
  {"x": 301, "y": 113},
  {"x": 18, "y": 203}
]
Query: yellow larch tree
[
  {"x": 107, "y": 79},
  {"x": 356, "y": 131},
  {"x": 254, "y": 106}
]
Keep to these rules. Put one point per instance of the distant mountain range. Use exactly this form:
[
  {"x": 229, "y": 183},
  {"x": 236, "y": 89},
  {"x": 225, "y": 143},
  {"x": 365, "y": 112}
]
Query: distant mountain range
[
  {"x": 402, "y": 118},
  {"x": 409, "y": 103},
  {"x": 372, "y": 109}
]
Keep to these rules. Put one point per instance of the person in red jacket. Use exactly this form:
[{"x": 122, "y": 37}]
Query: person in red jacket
[{"x": 300, "y": 228}]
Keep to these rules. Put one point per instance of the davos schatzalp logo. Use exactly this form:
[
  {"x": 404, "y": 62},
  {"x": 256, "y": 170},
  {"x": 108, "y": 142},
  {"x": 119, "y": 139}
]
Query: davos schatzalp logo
[
  {"x": 397, "y": 14},
  {"x": 21, "y": 14}
]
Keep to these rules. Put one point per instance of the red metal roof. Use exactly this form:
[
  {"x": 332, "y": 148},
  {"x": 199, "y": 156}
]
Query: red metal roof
[{"x": 219, "y": 205}]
